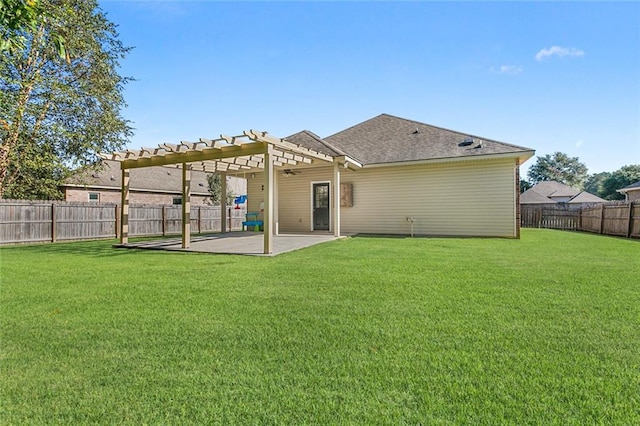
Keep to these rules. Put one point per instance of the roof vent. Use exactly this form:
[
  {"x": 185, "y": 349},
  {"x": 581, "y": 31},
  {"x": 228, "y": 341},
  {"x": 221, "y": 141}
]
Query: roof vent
[
  {"x": 113, "y": 177},
  {"x": 94, "y": 175},
  {"x": 466, "y": 142},
  {"x": 417, "y": 131},
  {"x": 479, "y": 145}
]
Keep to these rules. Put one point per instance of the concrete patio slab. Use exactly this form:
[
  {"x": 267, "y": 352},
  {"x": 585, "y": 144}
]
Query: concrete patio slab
[{"x": 243, "y": 243}]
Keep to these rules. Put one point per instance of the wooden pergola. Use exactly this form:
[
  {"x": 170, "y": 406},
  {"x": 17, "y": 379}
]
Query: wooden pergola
[{"x": 250, "y": 152}]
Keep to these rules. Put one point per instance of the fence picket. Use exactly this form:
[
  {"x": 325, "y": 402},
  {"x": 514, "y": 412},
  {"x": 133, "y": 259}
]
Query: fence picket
[
  {"x": 24, "y": 221},
  {"x": 612, "y": 218}
]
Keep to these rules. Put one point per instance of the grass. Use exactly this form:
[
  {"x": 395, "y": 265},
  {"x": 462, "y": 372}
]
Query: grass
[{"x": 544, "y": 330}]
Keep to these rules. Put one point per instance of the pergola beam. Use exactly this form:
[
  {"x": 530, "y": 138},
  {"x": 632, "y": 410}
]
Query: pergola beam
[{"x": 195, "y": 156}]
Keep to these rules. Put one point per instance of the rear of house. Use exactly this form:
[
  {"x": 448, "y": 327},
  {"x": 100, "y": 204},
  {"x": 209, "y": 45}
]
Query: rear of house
[{"x": 407, "y": 177}]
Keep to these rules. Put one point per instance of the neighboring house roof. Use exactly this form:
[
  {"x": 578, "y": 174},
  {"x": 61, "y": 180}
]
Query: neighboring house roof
[
  {"x": 586, "y": 197},
  {"x": 532, "y": 197},
  {"x": 148, "y": 179},
  {"x": 551, "y": 188},
  {"x": 633, "y": 187},
  {"x": 567, "y": 192},
  {"x": 390, "y": 139},
  {"x": 549, "y": 191}
]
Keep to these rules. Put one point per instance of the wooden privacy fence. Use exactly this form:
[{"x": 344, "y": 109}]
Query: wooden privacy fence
[
  {"x": 613, "y": 218},
  {"x": 41, "y": 221}
]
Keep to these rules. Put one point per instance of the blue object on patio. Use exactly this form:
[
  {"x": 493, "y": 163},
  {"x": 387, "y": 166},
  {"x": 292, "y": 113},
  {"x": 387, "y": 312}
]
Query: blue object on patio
[{"x": 252, "y": 220}]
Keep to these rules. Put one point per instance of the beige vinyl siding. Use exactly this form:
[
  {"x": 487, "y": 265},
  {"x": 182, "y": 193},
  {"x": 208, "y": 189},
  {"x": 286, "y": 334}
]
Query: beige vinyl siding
[
  {"x": 293, "y": 196},
  {"x": 469, "y": 198},
  {"x": 633, "y": 195},
  {"x": 466, "y": 198},
  {"x": 255, "y": 194},
  {"x": 294, "y": 206}
]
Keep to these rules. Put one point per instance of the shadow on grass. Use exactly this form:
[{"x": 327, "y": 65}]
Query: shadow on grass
[{"x": 96, "y": 248}]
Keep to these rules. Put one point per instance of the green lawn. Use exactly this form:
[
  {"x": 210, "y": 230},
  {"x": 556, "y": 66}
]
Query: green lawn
[{"x": 541, "y": 330}]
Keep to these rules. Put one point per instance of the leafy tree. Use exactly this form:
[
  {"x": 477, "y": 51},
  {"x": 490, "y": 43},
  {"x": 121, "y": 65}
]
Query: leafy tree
[
  {"x": 17, "y": 16},
  {"x": 215, "y": 189},
  {"x": 560, "y": 168},
  {"x": 622, "y": 177},
  {"x": 595, "y": 183},
  {"x": 58, "y": 113}
]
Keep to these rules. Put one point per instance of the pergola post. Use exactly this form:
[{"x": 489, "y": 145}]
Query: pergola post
[
  {"x": 268, "y": 200},
  {"x": 276, "y": 216},
  {"x": 336, "y": 199},
  {"x": 223, "y": 203},
  {"x": 186, "y": 205},
  {"x": 124, "y": 210}
]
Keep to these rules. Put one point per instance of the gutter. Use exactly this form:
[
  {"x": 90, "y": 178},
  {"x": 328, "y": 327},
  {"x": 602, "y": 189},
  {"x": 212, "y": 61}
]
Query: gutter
[{"x": 522, "y": 156}]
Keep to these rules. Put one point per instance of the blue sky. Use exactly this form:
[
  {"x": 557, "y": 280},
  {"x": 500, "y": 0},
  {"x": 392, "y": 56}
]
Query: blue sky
[{"x": 546, "y": 75}]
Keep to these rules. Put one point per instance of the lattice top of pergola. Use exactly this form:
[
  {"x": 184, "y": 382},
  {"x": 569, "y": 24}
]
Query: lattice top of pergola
[{"x": 240, "y": 153}]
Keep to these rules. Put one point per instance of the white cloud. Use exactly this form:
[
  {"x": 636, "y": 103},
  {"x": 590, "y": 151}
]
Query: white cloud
[
  {"x": 510, "y": 69},
  {"x": 507, "y": 69},
  {"x": 558, "y": 51},
  {"x": 579, "y": 144}
]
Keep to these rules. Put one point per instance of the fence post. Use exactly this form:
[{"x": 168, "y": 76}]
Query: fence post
[
  {"x": 539, "y": 216},
  {"x": 117, "y": 221},
  {"x": 53, "y": 222},
  {"x": 601, "y": 218},
  {"x": 199, "y": 219},
  {"x": 630, "y": 220},
  {"x": 164, "y": 226},
  {"x": 580, "y": 219}
]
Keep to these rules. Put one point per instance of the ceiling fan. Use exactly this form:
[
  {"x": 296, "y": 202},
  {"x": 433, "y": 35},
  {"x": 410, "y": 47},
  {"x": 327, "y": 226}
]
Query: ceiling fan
[{"x": 289, "y": 172}]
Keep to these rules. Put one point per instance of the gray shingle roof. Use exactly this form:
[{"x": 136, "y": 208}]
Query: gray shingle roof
[
  {"x": 545, "y": 192},
  {"x": 532, "y": 197},
  {"x": 551, "y": 188},
  {"x": 389, "y": 139},
  {"x": 152, "y": 179},
  {"x": 312, "y": 141},
  {"x": 586, "y": 197}
]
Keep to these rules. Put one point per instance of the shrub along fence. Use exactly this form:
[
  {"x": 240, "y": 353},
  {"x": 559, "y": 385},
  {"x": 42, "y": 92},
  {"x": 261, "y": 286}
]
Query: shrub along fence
[
  {"x": 41, "y": 221},
  {"x": 613, "y": 218}
]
